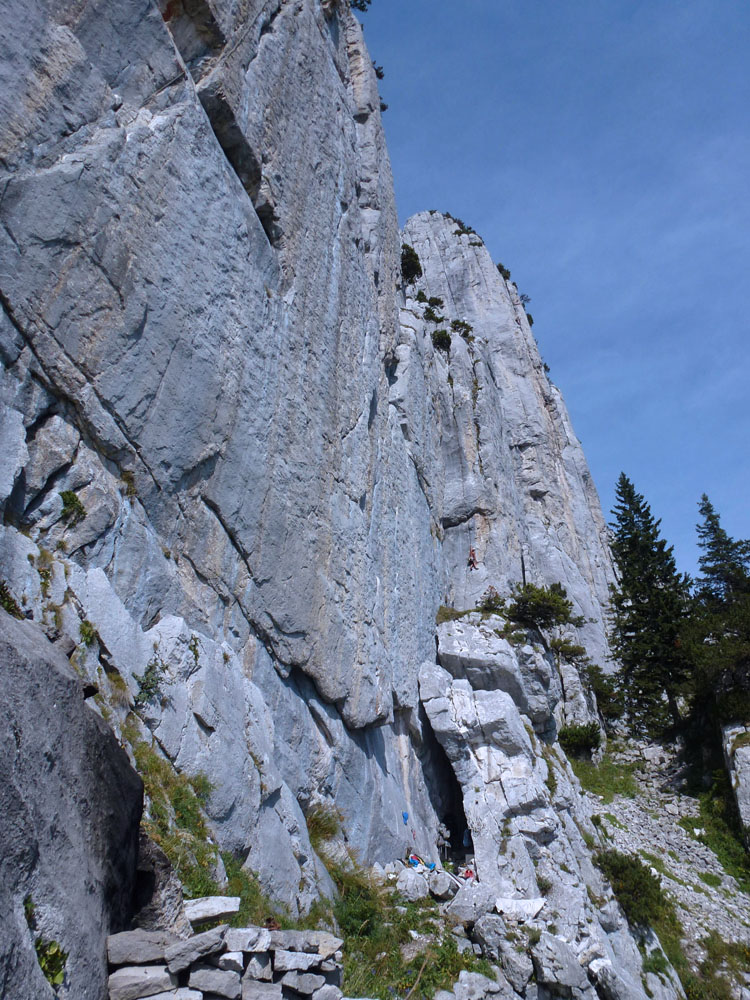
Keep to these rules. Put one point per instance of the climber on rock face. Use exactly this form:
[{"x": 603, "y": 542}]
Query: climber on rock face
[{"x": 473, "y": 559}]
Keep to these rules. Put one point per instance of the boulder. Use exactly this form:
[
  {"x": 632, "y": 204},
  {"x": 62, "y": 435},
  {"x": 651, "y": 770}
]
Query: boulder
[
  {"x": 475, "y": 986},
  {"x": 470, "y": 902},
  {"x": 516, "y": 965},
  {"x": 489, "y": 931},
  {"x": 412, "y": 886},
  {"x": 610, "y": 985},
  {"x": 231, "y": 961},
  {"x": 556, "y": 965},
  {"x": 441, "y": 885},
  {"x": 183, "y": 993},
  {"x": 327, "y": 992}
]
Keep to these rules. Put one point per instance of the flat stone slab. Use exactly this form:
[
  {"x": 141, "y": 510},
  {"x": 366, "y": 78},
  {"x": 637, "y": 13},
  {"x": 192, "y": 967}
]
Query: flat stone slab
[
  {"x": 248, "y": 939},
  {"x": 181, "y": 994},
  {"x": 253, "y": 990},
  {"x": 305, "y": 982},
  {"x": 198, "y": 911},
  {"x": 319, "y": 942},
  {"x": 521, "y": 909},
  {"x": 222, "y": 983},
  {"x": 138, "y": 947},
  {"x": 288, "y": 961},
  {"x": 137, "y": 981},
  {"x": 183, "y": 953}
]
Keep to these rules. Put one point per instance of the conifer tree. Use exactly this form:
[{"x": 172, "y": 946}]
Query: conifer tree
[
  {"x": 725, "y": 563},
  {"x": 647, "y": 612},
  {"x": 720, "y": 628}
]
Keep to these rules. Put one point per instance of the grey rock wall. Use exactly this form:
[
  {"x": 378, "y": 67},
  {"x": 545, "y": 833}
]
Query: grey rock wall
[
  {"x": 199, "y": 260},
  {"x": 70, "y": 805},
  {"x": 204, "y": 338},
  {"x": 504, "y": 471}
]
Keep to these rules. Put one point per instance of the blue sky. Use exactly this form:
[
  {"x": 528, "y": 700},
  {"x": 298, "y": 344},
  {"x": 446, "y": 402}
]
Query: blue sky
[{"x": 602, "y": 150}]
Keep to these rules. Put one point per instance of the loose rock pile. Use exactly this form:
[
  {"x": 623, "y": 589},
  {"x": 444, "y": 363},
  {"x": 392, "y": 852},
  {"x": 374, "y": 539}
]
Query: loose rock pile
[
  {"x": 664, "y": 823},
  {"x": 250, "y": 963}
]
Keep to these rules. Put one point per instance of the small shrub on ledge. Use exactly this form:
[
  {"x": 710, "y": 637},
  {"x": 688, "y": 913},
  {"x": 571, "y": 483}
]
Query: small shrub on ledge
[
  {"x": 411, "y": 268},
  {"x": 463, "y": 328},
  {"x": 441, "y": 340},
  {"x": 491, "y": 601},
  {"x": 504, "y": 272},
  {"x": 73, "y": 510},
  {"x": 432, "y": 317},
  {"x": 463, "y": 229},
  {"x": 579, "y": 740},
  {"x": 9, "y": 603}
]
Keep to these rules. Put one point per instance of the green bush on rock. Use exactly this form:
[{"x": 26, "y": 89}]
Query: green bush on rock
[
  {"x": 578, "y": 740},
  {"x": 441, "y": 340},
  {"x": 411, "y": 268},
  {"x": 637, "y": 889},
  {"x": 542, "y": 607},
  {"x": 73, "y": 510}
]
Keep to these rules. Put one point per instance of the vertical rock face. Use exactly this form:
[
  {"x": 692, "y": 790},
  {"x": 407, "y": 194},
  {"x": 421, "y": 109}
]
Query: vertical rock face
[
  {"x": 70, "y": 805},
  {"x": 502, "y": 468},
  {"x": 194, "y": 252},
  {"x": 200, "y": 254},
  {"x": 236, "y": 463}
]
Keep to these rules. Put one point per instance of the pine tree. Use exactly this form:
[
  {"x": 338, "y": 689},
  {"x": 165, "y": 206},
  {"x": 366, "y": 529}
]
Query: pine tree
[
  {"x": 647, "y": 611},
  {"x": 720, "y": 628},
  {"x": 725, "y": 563}
]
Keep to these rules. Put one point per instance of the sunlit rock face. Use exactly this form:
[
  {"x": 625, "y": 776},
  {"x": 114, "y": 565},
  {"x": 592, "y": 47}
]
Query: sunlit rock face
[
  {"x": 206, "y": 339},
  {"x": 503, "y": 469},
  {"x": 199, "y": 286}
]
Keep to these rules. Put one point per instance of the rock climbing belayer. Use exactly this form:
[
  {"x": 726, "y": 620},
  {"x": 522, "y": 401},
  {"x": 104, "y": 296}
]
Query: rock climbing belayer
[{"x": 473, "y": 559}]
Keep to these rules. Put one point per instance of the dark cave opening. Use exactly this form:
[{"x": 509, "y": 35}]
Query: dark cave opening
[{"x": 445, "y": 795}]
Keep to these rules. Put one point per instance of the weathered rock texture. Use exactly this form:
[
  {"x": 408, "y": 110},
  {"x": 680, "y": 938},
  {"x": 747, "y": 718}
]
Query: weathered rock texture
[
  {"x": 490, "y": 436},
  {"x": 70, "y": 805},
  {"x": 736, "y": 744},
  {"x": 238, "y": 477}
]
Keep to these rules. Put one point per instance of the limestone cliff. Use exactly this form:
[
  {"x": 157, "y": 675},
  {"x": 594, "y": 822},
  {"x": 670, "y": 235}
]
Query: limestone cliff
[{"x": 239, "y": 475}]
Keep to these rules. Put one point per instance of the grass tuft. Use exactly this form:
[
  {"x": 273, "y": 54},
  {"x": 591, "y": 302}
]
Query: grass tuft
[{"x": 607, "y": 778}]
